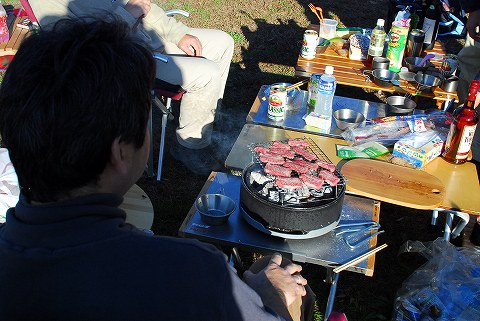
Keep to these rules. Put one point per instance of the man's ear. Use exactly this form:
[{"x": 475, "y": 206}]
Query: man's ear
[{"x": 117, "y": 156}]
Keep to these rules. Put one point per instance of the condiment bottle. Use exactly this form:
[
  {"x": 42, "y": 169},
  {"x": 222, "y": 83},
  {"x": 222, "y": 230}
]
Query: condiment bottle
[
  {"x": 430, "y": 25},
  {"x": 377, "y": 42},
  {"x": 462, "y": 128}
]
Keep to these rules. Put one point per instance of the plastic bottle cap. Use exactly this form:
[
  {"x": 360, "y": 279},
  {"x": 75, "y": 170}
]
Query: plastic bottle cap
[
  {"x": 329, "y": 70},
  {"x": 380, "y": 22}
]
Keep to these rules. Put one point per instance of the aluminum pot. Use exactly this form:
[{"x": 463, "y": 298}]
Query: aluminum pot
[
  {"x": 399, "y": 105},
  {"x": 288, "y": 218},
  {"x": 383, "y": 77},
  {"x": 426, "y": 83}
]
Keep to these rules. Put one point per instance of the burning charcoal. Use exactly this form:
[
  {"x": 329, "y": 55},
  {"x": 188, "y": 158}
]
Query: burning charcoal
[
  {"x": 258, "y": 178},
  {"x": 274, "y": 196},
  {"x": 266, "y": 189},
  {"x": 303, "y": 192},
  {"x": 291, "y": 198}
]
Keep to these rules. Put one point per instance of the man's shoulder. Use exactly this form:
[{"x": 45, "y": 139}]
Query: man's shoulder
[{"x": 180, "y": 247}]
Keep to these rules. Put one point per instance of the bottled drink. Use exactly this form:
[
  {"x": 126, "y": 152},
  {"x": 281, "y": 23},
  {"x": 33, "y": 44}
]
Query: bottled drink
[
  {"x": 326, "y": 91},
  {"x": 4, "y": 34},
  {"x": 377, "y": 42},
  {"x": 462, "y": 129},
  {"x": 430, "y": 25}
]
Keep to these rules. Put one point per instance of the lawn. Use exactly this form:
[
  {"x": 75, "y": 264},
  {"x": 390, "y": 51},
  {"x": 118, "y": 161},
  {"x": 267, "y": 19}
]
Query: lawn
[{"x": 268, "y": 36}]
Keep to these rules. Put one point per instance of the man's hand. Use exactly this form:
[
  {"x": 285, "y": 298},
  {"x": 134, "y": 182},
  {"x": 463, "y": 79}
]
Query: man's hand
[
  {"x": 138, "y": 8},
  {"x": 277, "y": 286},
  {"x": 473, "y": 25},
  {"x": 191, "y": 45}
]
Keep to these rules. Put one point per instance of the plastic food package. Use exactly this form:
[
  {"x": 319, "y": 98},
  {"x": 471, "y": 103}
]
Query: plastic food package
[
  {"x": 388, "y": 130},
  {"x": 445, "y": 288},
  {"x": 366, "y": 150},
  {"x": 419, "y": 149},
  {"x": 384, "y": 133}
]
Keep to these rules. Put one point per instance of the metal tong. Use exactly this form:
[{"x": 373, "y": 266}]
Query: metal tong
[{"x": 356, "y": 230}]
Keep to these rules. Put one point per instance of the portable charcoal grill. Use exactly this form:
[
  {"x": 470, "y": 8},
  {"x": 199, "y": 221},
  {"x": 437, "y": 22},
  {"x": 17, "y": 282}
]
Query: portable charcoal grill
[{"x": 290, "y": 214}]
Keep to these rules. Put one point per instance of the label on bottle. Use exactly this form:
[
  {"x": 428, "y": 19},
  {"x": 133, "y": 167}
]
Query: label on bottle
[
  {"x": 429, "y": 28},
  {"x": 466, "y": 141},
  {"x": 327, "y": 87},
  {"x": 377, "y": 41}
]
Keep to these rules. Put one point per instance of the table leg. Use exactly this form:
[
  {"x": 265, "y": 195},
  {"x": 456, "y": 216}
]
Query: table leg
[{"x": 332, "y": 278}]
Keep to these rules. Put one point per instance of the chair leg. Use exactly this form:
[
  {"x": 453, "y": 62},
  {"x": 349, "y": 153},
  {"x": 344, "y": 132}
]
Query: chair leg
[
  {"x": 165, "y": 113},
  {"x": 149, "y": 168}
]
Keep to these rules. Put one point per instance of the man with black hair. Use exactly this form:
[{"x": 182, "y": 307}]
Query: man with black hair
[
  {"x": 74, "y": 107},
  {"x": 199, "y": 62}
]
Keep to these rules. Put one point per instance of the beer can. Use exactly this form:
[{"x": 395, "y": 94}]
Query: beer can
[
  {"x": 310, "y": 42},
  {"x": 415, "y": 43},
  {"x": 277, "y": 102}
]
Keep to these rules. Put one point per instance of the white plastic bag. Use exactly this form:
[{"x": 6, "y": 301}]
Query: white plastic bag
[{"x": 9, "y": 189}]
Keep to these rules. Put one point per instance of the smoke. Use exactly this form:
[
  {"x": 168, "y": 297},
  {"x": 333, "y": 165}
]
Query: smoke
[{"x": 227, "y": 127}]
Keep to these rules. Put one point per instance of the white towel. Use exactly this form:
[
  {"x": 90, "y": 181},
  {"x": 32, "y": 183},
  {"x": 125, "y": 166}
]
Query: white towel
[{"x": 9, "y": 189}]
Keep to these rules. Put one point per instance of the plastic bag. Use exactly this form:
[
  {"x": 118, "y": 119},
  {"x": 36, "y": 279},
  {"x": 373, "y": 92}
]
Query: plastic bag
[
  {"x": 384, "y": 133},
  {"x": 447, "y": 287}
]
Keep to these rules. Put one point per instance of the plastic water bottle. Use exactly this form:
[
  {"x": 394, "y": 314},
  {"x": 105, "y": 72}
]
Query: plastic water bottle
[
  {"x": 4, "y": 33},
  {"x": 326, "y": 91}
]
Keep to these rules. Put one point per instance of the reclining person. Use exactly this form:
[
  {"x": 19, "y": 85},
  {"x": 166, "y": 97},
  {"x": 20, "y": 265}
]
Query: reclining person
[
  {"x": 74, "y": 106},
  {"x": 199, "y": 63}
]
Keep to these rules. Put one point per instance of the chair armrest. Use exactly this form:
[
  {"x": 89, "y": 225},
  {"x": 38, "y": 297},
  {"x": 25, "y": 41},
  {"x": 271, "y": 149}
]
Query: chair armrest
[{"x": 173, "y": 12}]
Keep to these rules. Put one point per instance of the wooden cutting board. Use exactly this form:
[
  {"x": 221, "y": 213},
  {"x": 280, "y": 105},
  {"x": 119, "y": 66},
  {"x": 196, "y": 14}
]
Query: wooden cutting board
[{"x": 393, "y": 183}]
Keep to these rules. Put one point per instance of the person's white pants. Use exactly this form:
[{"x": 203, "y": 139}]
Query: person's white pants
[{"x": 203, "y": 79}]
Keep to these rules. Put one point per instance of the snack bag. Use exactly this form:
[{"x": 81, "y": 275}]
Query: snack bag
[{"x": 396, "y": 44}]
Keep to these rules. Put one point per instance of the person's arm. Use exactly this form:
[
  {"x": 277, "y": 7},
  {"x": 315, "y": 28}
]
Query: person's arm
[
  {"x": 472, "y": 7},
  {"x": 155, "y": 20},
  {"x": 473, "y": 24},
  {"x": 278, "y": 287}
]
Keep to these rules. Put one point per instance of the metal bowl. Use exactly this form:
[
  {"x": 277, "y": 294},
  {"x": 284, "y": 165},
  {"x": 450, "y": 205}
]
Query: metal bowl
[
  {"x": 411, "y": 64},
  {"x": 348, "y": 118},
  {"x": 215, "y": 209},
  {"x": 399, "y": 105},
  {"x": 384, "y": 78},
  {"x": 426, "y": 83}
]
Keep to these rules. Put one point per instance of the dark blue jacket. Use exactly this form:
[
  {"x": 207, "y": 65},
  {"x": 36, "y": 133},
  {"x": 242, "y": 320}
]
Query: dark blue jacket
[{"x": 79, "y": 260}]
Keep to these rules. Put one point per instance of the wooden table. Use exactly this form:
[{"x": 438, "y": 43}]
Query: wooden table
[
  {"x": 17, "y": 34},
  {"x": 461, "y": 181},
  {"x": 348, "y": 72},
  {"x": 139, "y": 208}
]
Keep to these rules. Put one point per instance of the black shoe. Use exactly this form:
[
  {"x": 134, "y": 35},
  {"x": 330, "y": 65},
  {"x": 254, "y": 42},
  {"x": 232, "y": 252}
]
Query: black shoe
[{"x": 198, "y": 161}]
